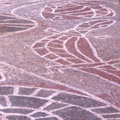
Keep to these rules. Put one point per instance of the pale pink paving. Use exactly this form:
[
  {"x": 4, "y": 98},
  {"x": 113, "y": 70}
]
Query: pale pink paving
[{"x": 36, "y": 45}]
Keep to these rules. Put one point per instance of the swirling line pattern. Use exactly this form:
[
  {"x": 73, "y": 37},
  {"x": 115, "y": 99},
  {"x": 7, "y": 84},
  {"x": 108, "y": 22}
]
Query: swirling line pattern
[
  {"x": 76, "y": 11},
  {"x": 69, "y": 49}
]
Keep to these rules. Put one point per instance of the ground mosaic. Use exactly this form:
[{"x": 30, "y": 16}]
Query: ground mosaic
[{"x": 37, "y": 97}]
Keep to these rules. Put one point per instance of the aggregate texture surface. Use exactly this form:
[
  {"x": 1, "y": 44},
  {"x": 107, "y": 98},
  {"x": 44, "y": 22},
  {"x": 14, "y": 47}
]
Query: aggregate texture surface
[{"x": 59, "y": 60}]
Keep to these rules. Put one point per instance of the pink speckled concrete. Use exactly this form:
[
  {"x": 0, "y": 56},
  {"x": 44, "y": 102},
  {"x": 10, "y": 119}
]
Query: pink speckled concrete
[{"x": 59, "y": 60}]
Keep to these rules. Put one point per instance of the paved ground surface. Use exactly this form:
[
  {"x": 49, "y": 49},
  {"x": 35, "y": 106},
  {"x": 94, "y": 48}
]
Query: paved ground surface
[{"x": 59, "y": 60}]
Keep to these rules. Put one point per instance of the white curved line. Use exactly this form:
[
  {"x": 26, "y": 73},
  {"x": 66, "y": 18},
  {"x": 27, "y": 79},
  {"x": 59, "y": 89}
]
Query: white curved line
[
  {"x": 13, "y": 13},
  {"x": 77, "y": 49}
]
